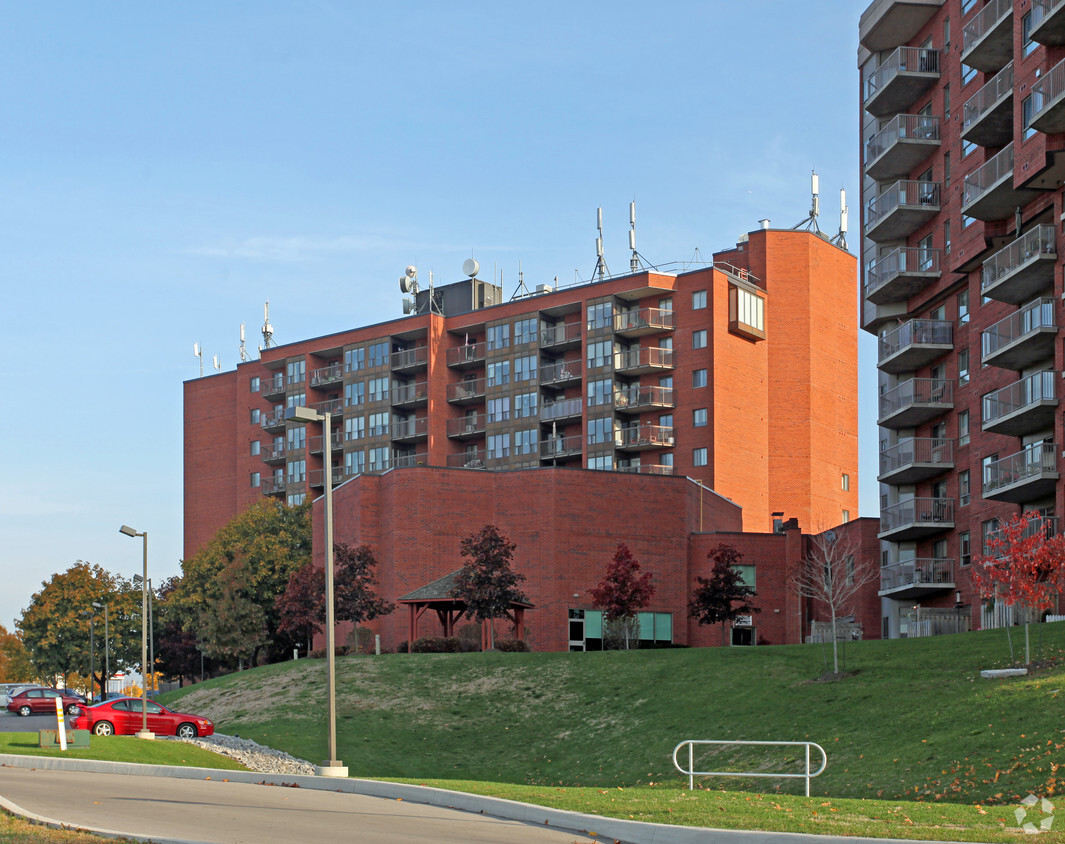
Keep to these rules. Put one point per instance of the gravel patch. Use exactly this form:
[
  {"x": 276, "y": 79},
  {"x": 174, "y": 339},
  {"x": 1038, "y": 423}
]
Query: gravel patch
[{"x": 257, "y": 757}]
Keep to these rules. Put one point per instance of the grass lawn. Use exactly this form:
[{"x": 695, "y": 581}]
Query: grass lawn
[
  {"x": 124, "y": 749},
  {"x": 16, "y": 830}
]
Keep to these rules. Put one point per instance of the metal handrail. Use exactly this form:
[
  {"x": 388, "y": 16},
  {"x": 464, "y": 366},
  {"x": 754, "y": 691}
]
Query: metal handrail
[
  {"x": 692, "y": 773},
  {"x": 1034, "y": 388},
  {"x": 903, "y": 192},
  {"x": 1029, "y": 462},
  {"x": 1039, "y": 314},
  {"x": 902, "y": 60},
  {"x": 1032, "y": 244},
  {"x": 916, "y": 332},
  {"x": 981, "y": 102},
  {"x": 987, "y": 175},
  {"x": 911, "y": 127},
  {"x": 983, "y": 22}
]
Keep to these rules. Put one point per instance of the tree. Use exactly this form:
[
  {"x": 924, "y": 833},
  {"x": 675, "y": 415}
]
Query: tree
[
  {"x": 15, "y": 666},
  {"x": 1025, "y": 567},
  {"x": 834, "y": 574},
  {"x": 302, "y": 606},
  {"x": 233, "y": 626},
  {"x": 356, "y": 600},
  {"x": 176, "y": 654},
  {"x": 486, "y": 582},
  {"x": 723, "y": 596},
  {"x": 623, "y": 592}
]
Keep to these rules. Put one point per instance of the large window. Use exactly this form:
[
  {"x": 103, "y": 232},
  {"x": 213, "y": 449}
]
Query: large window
[
  {"x": 698, "y": 456},
  {"x": 499, "y": 409},
  {"x": 498, "y": 336},
  {"x": 746, "y": 312},
  {"x": 526, "y": 442},
  {"x": 354, "y": 394},
  {"x": 601, "y": 430},
  {"x": 698, "y": 299},
  {"x": 600, "y": 353},
  {"x": 297, "y": 471},
  {"x": 377, "y": 354},
  {"x": 378, "y": 424},
  {"x": 747, "y": 575},
  {"x": 525, "y": 331},
  {"x": 297, "y": 438},
  {"x": 601, "y": 315},
  {"x": 525, "y": 368},
  {"x": 377, "y": 388},
  {"x": 498, "y": 446},
  {"x": 699, "y": 378},
  {"x": 354, "y": 462},
  {"x": 354, "y": 427},
  {"x": 525, "y": 405},
  {"x": 296, "y": 371},
  {"x": 498, "y": 373},
  {"x": 354, "y": 360},
  {"x": 600, "y": 392},
  {"x": 380, "y": 459}
]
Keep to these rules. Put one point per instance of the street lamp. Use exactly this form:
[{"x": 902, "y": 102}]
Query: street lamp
[
  {"x": 332, "y": 767},
  {"x": 151, "y": 626},
  {"x": 89, "y": 614},
  {"x": 144, "y": 732},
  {"x": 107, "y": 650}
]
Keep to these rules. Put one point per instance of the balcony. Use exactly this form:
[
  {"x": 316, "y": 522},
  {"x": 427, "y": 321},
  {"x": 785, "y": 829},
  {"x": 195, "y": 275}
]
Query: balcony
[
  {"x": 1046, "y": 526},
  {"x": 915, "y": 579},
  {"x": 901, "y": 274},
  {"x": 1048, "y": 22},
  {"x": 407, "y": 360},
  {"x": 916, "y": 459},
  {"x": 901, "y": 209},
  {"x": 410, "y": 394},
  {"x": 274, "y": 454},
  {"x": 902, "y": 77},
  {"x": 272, "y": 486},
  {"x": 274, "y": 420},
  {"x": 562, "y": 336},
  {"x": 472, "y": 459},
  {"x": 916, "y": 518},
  {"x": 1022, "y": 339},
  {"x": 1025, "y": 476},
  {"x": 898, "y": 148},
  {"x": 336, "y": 442},
  {"x": 466, "y": 392},
  {"x": 988, "y": 192},
  {"x": 1047, "y": 103},
  {"x": 1021, "y": 270},
  {"x": 643, "y": 361},
  {"x": 472, "y": 354},
  {"x": 889, "y": 23},
  {"x": 915, "y": 344},
  {"x": 334, "y": 407},
  {"x": 1021, "y": 408},
  {"x": 636, "y": 399},
  {"x": 467, "y": 427},
  {"x": 405, "y": 461},
  {"x": 987, "y": 116},
  {"x": 915, "y": 402},
  {"x": 637, "y": 323},
  {"x": 273, "y": 388},
  {"x": 564, "y": 409},
  {"x": 560, "y": 448},
  {"x": 561, "y": 375},
  {"x": 646, "y": 469},
  {"x": 316, "y": 477},
  {"x": 408, "y": 430},
  {"x": 327, "y": 376},
  {"x": 643, "y": 437},
  {"x": 987, "y": 39}
]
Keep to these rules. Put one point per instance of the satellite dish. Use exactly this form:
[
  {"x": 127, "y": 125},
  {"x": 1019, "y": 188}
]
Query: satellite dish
[
  {"x": 471, "y": 267},
  {"x": 408, "y": 306},
  {"x": 412, "y": 271},
  {"x": 405, "y": 284},
  {"x": 830, "y": 536}
]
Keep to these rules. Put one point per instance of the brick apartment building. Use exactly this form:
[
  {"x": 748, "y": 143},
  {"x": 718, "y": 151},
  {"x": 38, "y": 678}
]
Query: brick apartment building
[
  {"x": 963, "y": 133},
  {"x": 741, "y": 375}
]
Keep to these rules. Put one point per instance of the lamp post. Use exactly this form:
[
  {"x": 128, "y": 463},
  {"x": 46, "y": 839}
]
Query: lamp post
[
  {"x": 107, "y": 650},
  {"x": 151, "y": 627},
  {"x": 332, "y": 767},
  {"x": 144, "y": 733},
  {"x": 92, "y": 646}
]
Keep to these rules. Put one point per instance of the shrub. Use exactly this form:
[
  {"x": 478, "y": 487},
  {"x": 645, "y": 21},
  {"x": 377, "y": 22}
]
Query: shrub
[
  {"x": 470, "y": 638},
  {"x": 512, "y": 646},
  {"x": 435, "y": 645},
  {"x": 403, "y": 648}
]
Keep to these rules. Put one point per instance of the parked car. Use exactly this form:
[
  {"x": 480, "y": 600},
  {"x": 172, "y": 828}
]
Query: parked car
[
  {"x": 8, "y": 689},
  {"x": 123, "y": 717},
  {"x": 42, "y": 701}
]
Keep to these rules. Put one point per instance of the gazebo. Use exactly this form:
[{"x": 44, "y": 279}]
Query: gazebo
[{"x": 439, "y": 596}]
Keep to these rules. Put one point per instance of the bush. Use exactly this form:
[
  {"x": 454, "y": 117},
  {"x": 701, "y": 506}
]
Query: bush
[
  {"x": 470, "y": 638},
  {"x": 512, "y": 646},
  {"x": 435, "y": 645},
  {"x": 403, "y": 648},
  {"x": 319, "y": 653}
]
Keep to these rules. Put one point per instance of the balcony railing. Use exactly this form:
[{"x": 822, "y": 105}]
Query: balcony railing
[
  {"x": 916, "y": 518},
  {"x": 987, "y": 192},
  {"x": 901, "y": 274},
  {"x": 468, "y": 355},
  {"x": 410, "y": 429},
  {"x": 274, "y": 453},
  {"x": 640, "y": 437},
  {"x": 466, "y": 391},
  {"x": 916, "y": 401},
  {"x": 405, "y": 461},
  {"x": 557, "y": 448},
  {"x": 414, "y": 392},
  {"x": 1047, "y": 526},
  {"x": 1047, "y": 103},
  {"x": 900, "y": 79},
  {"x": 643, "y": 321},
  {"x": 336, "y": 442},
  {"x": 901, "y": 145},
  {"x": 1048, "y": 22},
  {"x": 560, "y": 374},
  {"x": 987, "y": 116},
  {"x": 636, "y": 398},
  {"x": 417, "y": 357},
  {"x": 916, "y": 459},
  {"x": 914, "y": 578},
  {"x": 901, "y": 209},
  {"x": 1019, "y": 271},
  {"x": 332, "y": 406},
  {"x": 272, "y": 486},
  {"x": 1023, "y": 407},
  {"x": 273, "y": 419},
  {"x": 1025, "y": 476},
  {"x": 643, "y": 360},
  {"x": 468, "y": 426},
  {"x": 327, "y": 376},
  {"x": 474, "y": 459},
  {"x": 316, "y": 477},
  {"x": 915, "y": 344},
  {"x": 987, "y": 39},
  {"x": 1021, "y": 339},
  {"x": 564, "y": 409},
  {"x": 646, "y": 469},
  {"x": 273, "y": 386},
  {"x": 561, "y": 334}
]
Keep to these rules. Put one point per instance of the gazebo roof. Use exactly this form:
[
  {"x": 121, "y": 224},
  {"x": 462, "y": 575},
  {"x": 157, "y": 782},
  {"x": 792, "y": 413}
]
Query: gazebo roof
[{"x": 443, "y": 590}]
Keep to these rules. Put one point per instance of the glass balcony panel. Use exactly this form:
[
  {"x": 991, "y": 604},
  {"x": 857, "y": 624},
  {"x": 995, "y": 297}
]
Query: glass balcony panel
[
  {"x": 1022, "y": 339},
  {"x": 916, "y": 401},
  {"x": 561, "y": 374},
  {"x": 987, "y": 39},
  {"x": 899, "y": 210},
  {"x": 410, "y": 429},
  {"x": 1029, "y": 474},
  {"x": 470, "y": 354},
  {"x": 646, "y": 469},
  {"x": 465, "y": 392},
  {"x": 1045, "y": 525},
  {"x": 558, "y": 448},
  {"x": 904, "y": 143},
  {"x": 916, "y": 518},
  {"x": 409, "y": 394},
  {"x": 1023, "y": 407},
  {"x": 563, "y": 409},
  {"x": 987, "y": 116},
  {"x": 1022, "y": 269},
  {"x": 562, "y": 335},
  {"x": 915, "y": 344},
  {"x": 327, "y": 376},
  {"x": 467, "y": 427},
  {"x": 643, "y": 437},
  {"x": 901, "y": 78},
  {"x": 901, "y": 274},
  {"x": 472, "y": 459},
  {"x": 636, "y": 398},
  {"x": 272, "y": 387},
  {"x": 643, "y": 360},
  {"x": 415, "y": 358},
  {"x": 636, "y": 323}
]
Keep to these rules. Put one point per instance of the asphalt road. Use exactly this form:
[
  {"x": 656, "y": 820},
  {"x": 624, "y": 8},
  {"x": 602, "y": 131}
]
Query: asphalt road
[
  {"x": 12, "y": 723},
  {"x": 230, "y": 812}
]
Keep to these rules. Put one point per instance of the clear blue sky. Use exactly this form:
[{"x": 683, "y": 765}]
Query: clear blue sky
[{"x": 166, "y": 168}]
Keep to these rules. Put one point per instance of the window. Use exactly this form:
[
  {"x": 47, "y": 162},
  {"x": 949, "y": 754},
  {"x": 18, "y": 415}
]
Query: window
[
  {"x": 987, "y": 530},
  {"x": 525, "y": 368},
  {"x": 296, "y": 437},
  {"x": 963, "y": 307},
  {"x": 603, "y": 463},
  {"x": 987, "y": 466},
  {"x": 354, "y": 427},
  {"x": 600, "y": 354},
  {"x": 354, "y": 360},
  {"x": 255, "y": 480},
  {"x": 377, "y": 354},
  {"x": 377, "y": 388},
  {"x": 255, "y": 446},
  {"x": 354, "y": 394},
  {"x": 698, "y": 299},
  {"x": 963, "y": 366},
  {"x": 1030, "y": 107},
  {"x": 525, "y": 405},
  {"x": 600, "y": 430},
  {"x": 699, "y": 417},
  {"x": 963, "y": 488},
  {"x": 498, "y": 373},
  {"x": 525, "y": 331},
  {"x": 254, "y": 384},
  {"x": 963, "y": 427},
  {"x": 946, "y": 237},
  {"x": 498, "y": 446},
  {"x": 600, "y": 392},
  {"x": 380, "y": 459},
  {"x": 699, "y": 378},
  {"x": 967, "y": 74},
  {"x": 699, "y": 339},
  {"x": 297, "y": 471},
  {"x": 845, "y": 517},
  {"x": 377, "y": 424},
  {"x": 748, "y": 576},
  {"x": 699, "y": 457},
  {"x": 526, "y": 442},
  {"x": 601, "y": 315},
  {"x": 946, "y": 170},
  {"x": 499, "y": 409},
  {"x": 967, "y": 148},
  {"x": 966, "y": 5},
  {"x": 354, "y": 462},
  {"x": 498, "y": 336},
  {"x": 295, "y": 499},
  {"x": 1026, "y": 33},
  {"x": 255, "y": 416},
  {"x": 946, "y": 35},
  {"x": 746, "y": 312},
  {"x": 964, "y": 548},
  {"x": 967, "y": 221},
  {"x": 845, "y": 482},
  {"x": 946, "y": 100},
  {"x": 296, "y": 400},
  {"x": 296, "y": 371}
]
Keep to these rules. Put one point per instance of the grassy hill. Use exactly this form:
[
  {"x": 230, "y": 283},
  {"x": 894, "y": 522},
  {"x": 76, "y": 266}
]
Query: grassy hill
[{"x": 915, "y": 721}]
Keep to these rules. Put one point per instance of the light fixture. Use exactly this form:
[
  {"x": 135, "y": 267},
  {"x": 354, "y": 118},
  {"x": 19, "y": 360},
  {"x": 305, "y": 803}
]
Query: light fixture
[{"x": 144, "y": 732}]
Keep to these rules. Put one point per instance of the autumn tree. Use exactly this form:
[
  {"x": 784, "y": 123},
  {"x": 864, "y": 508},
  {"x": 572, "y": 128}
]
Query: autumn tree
[
  {"x": 1023, "y": 567},
  {"x": 486, "y": 583},
  {"x": 302, "y": 605},
  {"x": 15, "y": 665},
  {"x": 834, "y": 574},
  {"x": 176, "y": 654},
  {"x": 623, "y": 592},
  {"x": 355, "y": 579},
  {"x": 723, "y": 596}
]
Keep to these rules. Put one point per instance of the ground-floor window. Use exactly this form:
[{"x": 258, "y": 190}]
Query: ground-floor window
[{"x": 653, "y": 629}]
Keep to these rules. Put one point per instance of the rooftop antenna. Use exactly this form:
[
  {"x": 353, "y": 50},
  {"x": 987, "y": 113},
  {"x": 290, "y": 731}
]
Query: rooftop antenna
[
  {"x": 243, "y": 348},
  {"x": 634, "y": 258},
  {"x": 600, "y": 263},
  {"x": 810, "y": 223},
  {"x": 841, "y": 238},
  {"x": 268, "y": 330},
  {"x": 522, "y": 289},
  {"x": 408, "y": 283},
  {"x": 196, "y": 350},
  {"x": 217, "y": 365}
]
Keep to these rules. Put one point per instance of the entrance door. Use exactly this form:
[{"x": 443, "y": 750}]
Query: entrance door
[{"x": 576, "y": 630}]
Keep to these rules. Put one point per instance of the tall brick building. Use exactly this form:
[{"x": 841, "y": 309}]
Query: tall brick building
[{"x": 962, "y": 122}]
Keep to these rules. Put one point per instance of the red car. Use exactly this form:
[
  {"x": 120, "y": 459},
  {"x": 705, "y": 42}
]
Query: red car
[
  {"x": 42, "y": 702},
  {"x": 123, "y": 717}
]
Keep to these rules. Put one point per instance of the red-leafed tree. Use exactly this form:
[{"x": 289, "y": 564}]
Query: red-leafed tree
[
  {"x": 486, "y": 583},
  {"x": 1023, "y": 567},
  {"x": 723, "y": 596},
  {"x": 356, "y": 600},
  {"x": 623, "y": 592},
  {"x": 302, "y": 605}
]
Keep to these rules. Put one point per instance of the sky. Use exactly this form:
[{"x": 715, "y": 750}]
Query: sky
[{"x": 165, "y": 169}]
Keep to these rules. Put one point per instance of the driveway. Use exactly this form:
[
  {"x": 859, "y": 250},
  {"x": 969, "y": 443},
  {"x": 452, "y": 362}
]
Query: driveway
[{"x": 12, "y": 723}]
